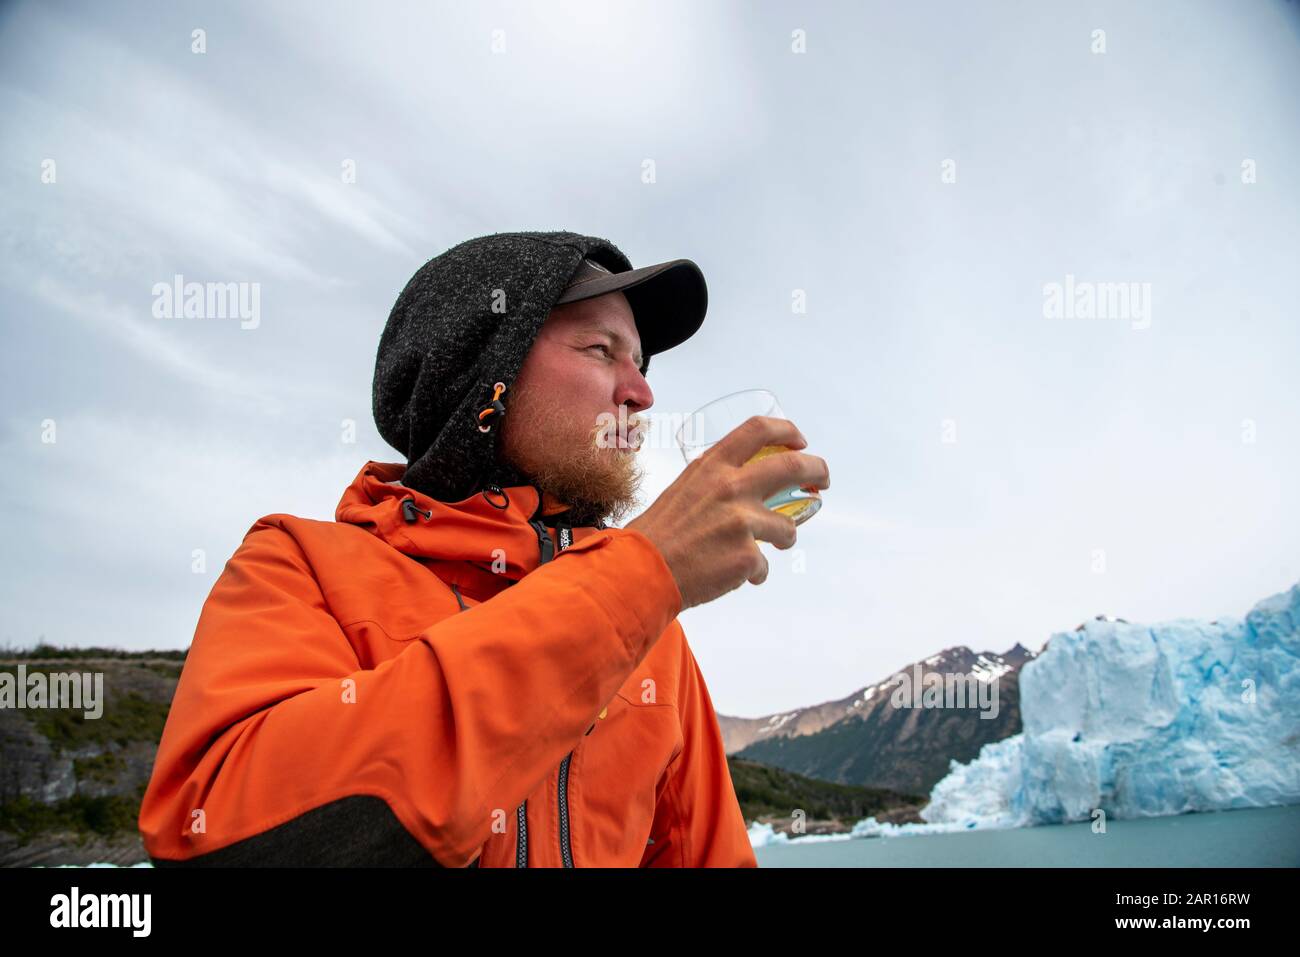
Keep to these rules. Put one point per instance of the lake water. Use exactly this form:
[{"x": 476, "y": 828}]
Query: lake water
[{"x": 1253, "y": 837}]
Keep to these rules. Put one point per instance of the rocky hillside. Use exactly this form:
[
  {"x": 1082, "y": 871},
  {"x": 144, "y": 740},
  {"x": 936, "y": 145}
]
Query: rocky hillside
[
  {"x": 70, "y": 788},
  {"x": 864, "y": 740},
  {"x": 778, "y": 797}
]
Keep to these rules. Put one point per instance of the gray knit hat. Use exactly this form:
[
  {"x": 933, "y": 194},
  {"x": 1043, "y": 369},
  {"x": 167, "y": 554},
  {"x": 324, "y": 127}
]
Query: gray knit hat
[{"x": 459, "y": 333}]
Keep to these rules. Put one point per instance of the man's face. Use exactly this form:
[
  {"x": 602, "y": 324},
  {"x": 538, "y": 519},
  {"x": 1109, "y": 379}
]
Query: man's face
[{"x": 561, "y": 426}]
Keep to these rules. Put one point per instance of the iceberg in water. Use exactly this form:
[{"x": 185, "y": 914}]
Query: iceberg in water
[
  {"x": 761, "y": 835},
  {"x": 870, "y": 827},
  {"x": 1142, "y": 721}
]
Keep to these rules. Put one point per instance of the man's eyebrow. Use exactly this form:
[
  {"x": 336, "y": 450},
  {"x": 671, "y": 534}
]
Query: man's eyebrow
[{"x": 617, "y": 337}]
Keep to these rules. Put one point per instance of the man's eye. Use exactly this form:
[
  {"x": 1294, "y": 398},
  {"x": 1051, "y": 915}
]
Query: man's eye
[{"x": 599, "y": 346}]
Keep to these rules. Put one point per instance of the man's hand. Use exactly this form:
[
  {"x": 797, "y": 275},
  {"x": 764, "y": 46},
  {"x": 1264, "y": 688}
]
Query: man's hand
[{"x": 708, "y": 523}]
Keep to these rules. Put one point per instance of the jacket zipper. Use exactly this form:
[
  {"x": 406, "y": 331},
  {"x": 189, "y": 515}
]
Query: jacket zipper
[
  {"x": 566, "y": 852},
  {"x": 521, "y": 849},
  {"x": 547, "y": 548}
]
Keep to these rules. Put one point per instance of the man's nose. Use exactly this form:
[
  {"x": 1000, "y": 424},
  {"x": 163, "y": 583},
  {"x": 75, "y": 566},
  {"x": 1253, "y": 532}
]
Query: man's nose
[{"x": 633, "y": 390}]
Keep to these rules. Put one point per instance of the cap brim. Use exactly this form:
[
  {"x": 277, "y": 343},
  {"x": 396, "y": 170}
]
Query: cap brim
[{"x": 668, "y": 300}]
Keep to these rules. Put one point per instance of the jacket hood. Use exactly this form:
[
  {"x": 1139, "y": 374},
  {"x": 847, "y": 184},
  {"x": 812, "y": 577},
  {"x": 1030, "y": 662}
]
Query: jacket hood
[
  {"x": 483, "y": 542},
  {"x": 453, "y": 345}
]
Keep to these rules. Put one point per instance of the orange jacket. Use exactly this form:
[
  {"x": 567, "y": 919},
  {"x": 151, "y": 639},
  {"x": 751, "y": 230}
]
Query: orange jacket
[{"x": 409, "y": 685}]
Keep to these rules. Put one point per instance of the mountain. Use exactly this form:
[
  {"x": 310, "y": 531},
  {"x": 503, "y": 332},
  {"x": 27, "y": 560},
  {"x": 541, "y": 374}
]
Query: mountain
[{"x": 865, "y": 740}]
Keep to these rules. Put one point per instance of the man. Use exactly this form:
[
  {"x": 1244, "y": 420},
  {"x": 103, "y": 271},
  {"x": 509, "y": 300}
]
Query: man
[{"x": 467, "y": 667}]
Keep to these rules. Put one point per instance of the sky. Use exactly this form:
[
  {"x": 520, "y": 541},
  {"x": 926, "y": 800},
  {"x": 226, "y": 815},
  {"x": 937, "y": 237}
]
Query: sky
[{"x": 882, "y": 198}]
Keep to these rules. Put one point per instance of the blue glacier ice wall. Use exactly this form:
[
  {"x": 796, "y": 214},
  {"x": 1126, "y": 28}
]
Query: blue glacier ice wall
[{"x": 1141, "y": 721}]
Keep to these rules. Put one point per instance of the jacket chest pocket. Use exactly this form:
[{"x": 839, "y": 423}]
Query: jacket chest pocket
[
  {"x": 380, "y": 629},
  {"x": 616, "y": 781}
]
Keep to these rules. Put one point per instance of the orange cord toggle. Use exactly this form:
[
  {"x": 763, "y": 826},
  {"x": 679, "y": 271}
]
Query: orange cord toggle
[{"x": 496, "y": 408}]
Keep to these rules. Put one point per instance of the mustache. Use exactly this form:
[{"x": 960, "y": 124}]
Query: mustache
[{"x": 610, "y": 431}]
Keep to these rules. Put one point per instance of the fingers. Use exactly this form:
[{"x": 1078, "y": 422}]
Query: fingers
[
  {"x": 776, "y": 473},
  {"x": 771, "y": 526},
  {"x": 760, "y": 561},
  {"x": 743, "y": 442}
]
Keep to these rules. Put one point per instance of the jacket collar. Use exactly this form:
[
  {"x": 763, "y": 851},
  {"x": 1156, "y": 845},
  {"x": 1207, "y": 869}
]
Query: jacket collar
[{"x": 464, "y": 539}]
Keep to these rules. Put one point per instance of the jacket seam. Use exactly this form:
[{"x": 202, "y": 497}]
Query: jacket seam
[
  {"x": 579, "y": 757},
  {"x": 674, "y": 797},
  {"x": 641, "y": 704},
  {"x": 371, "y": 621}
]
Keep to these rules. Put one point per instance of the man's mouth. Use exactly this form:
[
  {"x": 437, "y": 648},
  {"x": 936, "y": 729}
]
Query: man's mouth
[{"x": 631, "y": 442}]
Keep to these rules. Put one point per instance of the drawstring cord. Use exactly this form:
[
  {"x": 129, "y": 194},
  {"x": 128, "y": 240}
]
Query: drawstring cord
[
  {"x": 495, "y": 408},
  {"x": 409, "y": 510},
  {"x": 494, "y": 411}
]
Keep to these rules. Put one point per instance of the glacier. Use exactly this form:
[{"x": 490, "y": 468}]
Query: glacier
[{"x": 1139, "y": 720}]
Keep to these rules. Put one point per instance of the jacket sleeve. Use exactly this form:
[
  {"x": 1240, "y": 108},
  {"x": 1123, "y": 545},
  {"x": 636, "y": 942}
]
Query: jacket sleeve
[
  {"x": 280, "y": 748},
  {"x": 698, "y": 821}
]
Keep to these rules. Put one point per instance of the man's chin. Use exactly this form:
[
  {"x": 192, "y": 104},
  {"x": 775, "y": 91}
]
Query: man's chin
[
  {"x": 600, "y": 483},
  {"x": 619, "y": 497}
]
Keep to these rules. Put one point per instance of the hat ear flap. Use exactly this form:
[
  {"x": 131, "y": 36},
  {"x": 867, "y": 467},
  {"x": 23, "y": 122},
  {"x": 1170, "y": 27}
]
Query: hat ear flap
[{"x": 645, "y": 366}]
